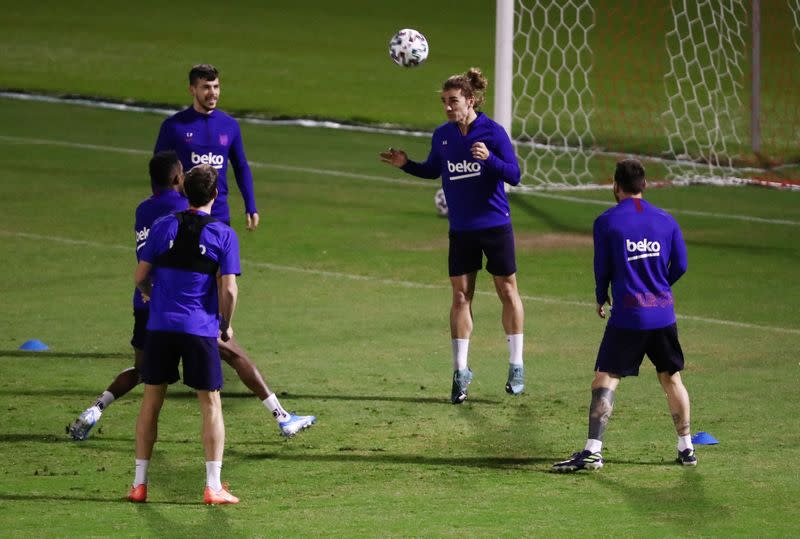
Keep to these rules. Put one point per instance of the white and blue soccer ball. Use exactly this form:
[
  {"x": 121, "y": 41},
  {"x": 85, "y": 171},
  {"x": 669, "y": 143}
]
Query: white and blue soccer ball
[
  {"x": 441, "y": 203},
  {"x": 408, "y": 48}
]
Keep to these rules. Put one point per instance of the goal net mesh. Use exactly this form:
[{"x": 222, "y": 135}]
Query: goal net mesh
[{"x": 667, "y": 81}]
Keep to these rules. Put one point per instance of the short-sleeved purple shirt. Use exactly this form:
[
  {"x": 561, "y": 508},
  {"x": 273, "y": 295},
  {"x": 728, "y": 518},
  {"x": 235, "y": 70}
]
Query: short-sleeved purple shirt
[
  {"x": 160, "y": 204},
  {"x": 182, "y": 300}
]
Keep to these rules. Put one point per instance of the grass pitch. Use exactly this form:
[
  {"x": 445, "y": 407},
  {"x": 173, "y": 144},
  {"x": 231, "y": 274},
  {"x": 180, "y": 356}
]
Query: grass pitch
[{"x": 344, "y": 302}]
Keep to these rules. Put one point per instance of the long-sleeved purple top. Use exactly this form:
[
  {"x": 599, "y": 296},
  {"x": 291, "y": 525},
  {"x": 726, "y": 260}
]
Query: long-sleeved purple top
[
  {"x": 213, "y": 139},
  {"x": 476, "y": 197},
  {"x": 638, "y": 250}
]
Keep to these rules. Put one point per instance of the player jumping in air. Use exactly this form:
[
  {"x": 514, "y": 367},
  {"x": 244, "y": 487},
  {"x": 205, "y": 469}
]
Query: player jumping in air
[
  {"x": 474, "y": 157},
  {"x": 166, "y": 178},
  {"x": 639, "y": 251}
]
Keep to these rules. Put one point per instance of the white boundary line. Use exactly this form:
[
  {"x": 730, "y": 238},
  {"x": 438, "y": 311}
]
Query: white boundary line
[
  {"x": 384, "y": 129},
  {"x": 522, "y": 190},
  {"x": 395, "y": 283}
]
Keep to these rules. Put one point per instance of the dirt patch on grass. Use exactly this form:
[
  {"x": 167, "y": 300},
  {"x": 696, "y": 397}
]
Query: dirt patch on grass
[
  {"x": 551, "y": 241},
  {"x": 526, "y": 242}
]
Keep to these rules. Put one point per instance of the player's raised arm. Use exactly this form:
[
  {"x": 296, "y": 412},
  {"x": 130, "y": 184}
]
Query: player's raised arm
[{"x": 396, "y": 158}]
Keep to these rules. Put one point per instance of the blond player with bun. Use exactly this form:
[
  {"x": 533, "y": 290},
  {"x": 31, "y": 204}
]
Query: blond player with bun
[{"x": 474, "y": 157}]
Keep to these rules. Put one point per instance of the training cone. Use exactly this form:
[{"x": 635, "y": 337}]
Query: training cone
[
  {"x": 704, "y": 438},
  {"x": 34, "y": 345}
]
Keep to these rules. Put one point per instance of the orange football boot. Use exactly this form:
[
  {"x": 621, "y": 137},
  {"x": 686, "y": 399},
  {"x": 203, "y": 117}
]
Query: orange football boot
[
  {"x": 138, "y": 494},
  {"x": 221, "y": 496}
]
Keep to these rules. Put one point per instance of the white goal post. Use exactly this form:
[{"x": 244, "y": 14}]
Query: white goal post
[{"x": 679, "y": 83}]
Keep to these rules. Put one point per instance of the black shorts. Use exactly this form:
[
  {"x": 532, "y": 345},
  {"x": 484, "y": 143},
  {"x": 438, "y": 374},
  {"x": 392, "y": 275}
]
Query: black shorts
[
  {"x": 140, "y": 317},
  {"x": 623, "y": 350},
  {"x": 468, "y": 247},
  {"x": 165, "y": 350}
]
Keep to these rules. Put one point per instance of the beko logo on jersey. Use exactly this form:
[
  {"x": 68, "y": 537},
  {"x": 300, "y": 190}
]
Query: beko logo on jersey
[
  {"x": 467, "y": 169},
  {"x": 642, "y": 249},
  {"x": 209, "y": 158},
  {"x": 141, "y": 237}
]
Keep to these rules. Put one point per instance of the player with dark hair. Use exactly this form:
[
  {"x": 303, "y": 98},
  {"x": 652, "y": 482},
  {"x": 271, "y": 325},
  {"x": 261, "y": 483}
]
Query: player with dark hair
[
  {"x": 181, "y": 261},
  {"x": 474, "y": 157},
  {"x": 201, "y": 134},
  {"x": 166, "y": 178},
  {"x": 639, "y": 251}
]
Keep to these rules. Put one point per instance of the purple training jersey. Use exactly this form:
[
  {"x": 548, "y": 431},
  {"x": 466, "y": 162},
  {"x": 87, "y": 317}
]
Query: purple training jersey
[
  {"x": 160, "y": 204},
  {"x": 210, "y": 139},
  {"x": 476, "y": 197},
  {"x": 186, "y": 301},
  {"x": 638, "y": 250}
]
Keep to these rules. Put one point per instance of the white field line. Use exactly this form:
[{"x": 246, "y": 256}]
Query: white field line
[
  {"x": 386, "y": 129},
  {"x": 393, "y": 282},
  {"x": 523, "y": 190}
]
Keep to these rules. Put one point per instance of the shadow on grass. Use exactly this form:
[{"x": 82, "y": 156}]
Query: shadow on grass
[
  {"x": 384, "y": 398},
  {"x": 106, "y": 499},
  {"x": 179, "y": 391},
  {"x": 215, "y": 523},
  {"x": 548, "y": 216},
  {"x": 49, "y": 354},
  {"x": 33, "y": 437},
  {"x": 682, "y": 503},
  {"x": 378, "y": 456}
]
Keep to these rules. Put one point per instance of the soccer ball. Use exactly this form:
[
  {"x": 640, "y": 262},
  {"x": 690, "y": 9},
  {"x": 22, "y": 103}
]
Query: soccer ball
[
  {"x": 408, "y": 48},
  {"x": 441, "y": 203}
]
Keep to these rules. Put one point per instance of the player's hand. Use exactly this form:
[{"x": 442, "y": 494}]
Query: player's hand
[
  {"x": 251, "y": 221},
  {"x": 145, "y": 297},
  {"x": 226, "y": 335},
  {"x": 396, "y": 158},
  {"x": 601, "y": 311},
  {"x": 480, "y": 151}
]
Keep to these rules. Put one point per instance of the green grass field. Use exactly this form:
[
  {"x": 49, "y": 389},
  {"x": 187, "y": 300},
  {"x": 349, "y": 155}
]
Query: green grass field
[
  {"x": 344, "y": 297},
  {"x": 329, "y": 60},
  {"x": 344, "y": 303}
]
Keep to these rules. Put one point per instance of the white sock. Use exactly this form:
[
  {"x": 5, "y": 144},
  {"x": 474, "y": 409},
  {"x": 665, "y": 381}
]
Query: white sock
[
  {"x": 593, "y": 446},
  {"x": 213, "y": 472},
  {"x": 140, "y": 475},
  {"x": 514, "y": 348},
  {"x": 460, "y": 351},
  {"x": 275, "y": 407},
  {"x": 685, "y": 442},
  {"x": 104, "y": 400}
]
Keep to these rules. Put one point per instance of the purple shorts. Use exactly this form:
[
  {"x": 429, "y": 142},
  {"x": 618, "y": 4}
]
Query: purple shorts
[
  {"x": 623, "y": 350},
  {"x": 468, "y": 247},
  {"x": 140, "y": 317},
  {"x": 165, "y": 350}
]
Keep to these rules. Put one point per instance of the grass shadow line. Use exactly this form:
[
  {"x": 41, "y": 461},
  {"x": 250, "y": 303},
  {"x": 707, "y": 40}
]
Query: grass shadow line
[
  {"x": 50, "y": 354},
  {"x": 377, "y": 456}
]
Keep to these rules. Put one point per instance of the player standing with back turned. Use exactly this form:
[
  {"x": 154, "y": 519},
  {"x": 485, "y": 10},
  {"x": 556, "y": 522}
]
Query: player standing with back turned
[
  {"x": 166, "y": 181},
  {"x": 184, "y": 256},
  {"x": 474, "y": 156},
  {"x": 639, "y": 251}
]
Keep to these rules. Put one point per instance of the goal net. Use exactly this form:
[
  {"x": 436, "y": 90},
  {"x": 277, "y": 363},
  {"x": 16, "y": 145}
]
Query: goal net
[{"x": 670, "y": 82}]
